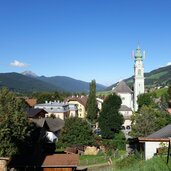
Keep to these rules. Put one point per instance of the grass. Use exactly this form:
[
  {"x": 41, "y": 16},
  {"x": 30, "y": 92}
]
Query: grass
[
  {"x": 155, "y": 164},
  {"x": 101, "y": 158},
  {"x": 92, "y": 159},
  {"x": 104, "y": 93},
  {"x": 158, "y": 75}
]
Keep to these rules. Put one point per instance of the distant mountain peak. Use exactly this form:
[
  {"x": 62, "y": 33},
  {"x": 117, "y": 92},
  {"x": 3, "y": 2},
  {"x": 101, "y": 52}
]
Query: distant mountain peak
[{"x": 29, "y": 73}]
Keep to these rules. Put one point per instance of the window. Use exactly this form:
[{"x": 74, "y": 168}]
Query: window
[
  {"x": 139, "y": 72},
  {"x": 128, "y": 127}
]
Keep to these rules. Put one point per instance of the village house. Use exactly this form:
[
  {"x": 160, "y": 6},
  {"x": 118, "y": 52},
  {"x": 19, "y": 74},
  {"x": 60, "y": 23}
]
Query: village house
[
  {"x": 155, "y": 141},
  {"x": 58, "y": 109},
  {"x": 50, "y": 128},
  {"x": 35, "y": 113},
  {"x": 31, "y": 102},
  {"x": 80, "y": 102}
]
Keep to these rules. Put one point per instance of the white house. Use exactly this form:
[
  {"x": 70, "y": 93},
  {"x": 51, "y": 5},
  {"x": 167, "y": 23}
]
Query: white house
[
  {"x": 60, "y": 110},
  {"x": 156, "y": 140},
  {"x": 99, "y": 103}
]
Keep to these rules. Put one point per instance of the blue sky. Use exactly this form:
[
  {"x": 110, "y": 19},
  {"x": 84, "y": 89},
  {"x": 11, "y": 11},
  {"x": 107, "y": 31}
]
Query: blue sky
[{"x": 83, "y": 39}]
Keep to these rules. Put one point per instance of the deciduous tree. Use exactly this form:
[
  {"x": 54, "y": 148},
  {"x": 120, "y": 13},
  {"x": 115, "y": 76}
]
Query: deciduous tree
[
  {"x": 147, "y": 99},
  {"x": 14, "y": 127},
  {"x": 148, "y": 120},
  {"x": 76, "y": 131}
]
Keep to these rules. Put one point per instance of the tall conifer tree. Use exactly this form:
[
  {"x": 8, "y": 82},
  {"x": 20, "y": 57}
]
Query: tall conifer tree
[
  {"x": 91, "y": 103},
  {"x": 110, "y": 120}
]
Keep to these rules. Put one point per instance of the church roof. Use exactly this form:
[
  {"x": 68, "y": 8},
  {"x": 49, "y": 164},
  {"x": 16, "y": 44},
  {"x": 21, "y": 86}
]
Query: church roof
[{"x": 122, "y": 88}]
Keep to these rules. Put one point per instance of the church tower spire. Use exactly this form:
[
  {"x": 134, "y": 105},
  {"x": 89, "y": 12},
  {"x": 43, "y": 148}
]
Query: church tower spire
[{"x": 138, "y": 76}]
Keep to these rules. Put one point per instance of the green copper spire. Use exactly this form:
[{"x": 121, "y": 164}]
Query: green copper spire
[{"x": 138, "y": 54}]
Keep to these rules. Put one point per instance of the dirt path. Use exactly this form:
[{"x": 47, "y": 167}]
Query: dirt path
[{"x": 98, "y": 167}]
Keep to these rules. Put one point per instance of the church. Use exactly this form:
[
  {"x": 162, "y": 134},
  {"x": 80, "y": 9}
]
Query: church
[{"x": 129, "y": 97}]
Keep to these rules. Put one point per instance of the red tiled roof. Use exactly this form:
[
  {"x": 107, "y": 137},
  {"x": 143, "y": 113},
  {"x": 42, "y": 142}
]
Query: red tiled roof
[
  {"x": 31, "y": 102},
  {"x": 61, "y": 160},
  {"x": 82, "y": 100}
]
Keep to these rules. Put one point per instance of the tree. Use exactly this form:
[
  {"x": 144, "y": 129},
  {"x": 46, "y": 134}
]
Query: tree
[
  {"x": 76, "y": 131},
  {"x": 110, "y": 120},
  {"x": 148, "y": 120},
  {"x": 49, "y": 96},
  {"x": 147, "y": 99},
  {"x": 91, "y": 106},
  {"x": 169, "y": 92},
  {"x": 14, "y": 127}
]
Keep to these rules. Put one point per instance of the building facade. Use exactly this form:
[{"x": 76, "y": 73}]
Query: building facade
[
  {"x": 80, "y": 102},
  {"x": 60, "y": 110}
]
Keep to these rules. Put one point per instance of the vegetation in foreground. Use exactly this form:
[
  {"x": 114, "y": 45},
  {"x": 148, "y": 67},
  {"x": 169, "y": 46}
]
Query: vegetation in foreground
[{"x": 157, "y": 163}]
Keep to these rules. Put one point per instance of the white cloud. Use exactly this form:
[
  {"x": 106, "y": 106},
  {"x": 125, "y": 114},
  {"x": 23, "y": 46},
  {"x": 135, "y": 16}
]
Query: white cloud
[
  {"x": 169, "y": 63},
  {"x": 17, "y": 63}
]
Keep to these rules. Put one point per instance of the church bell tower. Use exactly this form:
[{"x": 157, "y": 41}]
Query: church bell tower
[{"x": 138, "y": 76}]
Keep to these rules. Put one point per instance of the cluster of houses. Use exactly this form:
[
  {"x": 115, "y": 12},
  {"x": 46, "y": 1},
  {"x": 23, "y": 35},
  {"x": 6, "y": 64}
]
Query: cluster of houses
[{"x": 50, "y": 117}]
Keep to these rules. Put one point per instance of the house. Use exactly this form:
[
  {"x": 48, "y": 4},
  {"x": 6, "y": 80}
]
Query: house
[
  {"x": 35, "y": 113},
  {"x": 58, "y": 109},
  {"x": 31, "y": 102},
  {"x": 51, "y": 128},
  {"x": 127, "y": 113},
  {"x": 80, "y": 102},
  {"x": 53, "y": 162},
  {"x": 156, "y": 140},
  {"x": 99, "y": 103}
]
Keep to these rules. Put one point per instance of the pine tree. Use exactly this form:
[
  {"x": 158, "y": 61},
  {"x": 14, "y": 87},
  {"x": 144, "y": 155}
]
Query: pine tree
[
  {"x": 110, "y": 120},
  {"x": 91, "y": 106}
]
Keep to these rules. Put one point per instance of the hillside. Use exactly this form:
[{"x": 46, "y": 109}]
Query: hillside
[
  {"x": 70, "y": 84},
  {"x": 157, "y": 77},
  {"x": 32, "y": 83},
  {"x": 20, "y": 83}
]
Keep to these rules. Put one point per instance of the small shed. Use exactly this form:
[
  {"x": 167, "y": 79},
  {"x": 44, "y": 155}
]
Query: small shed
[
  {"x": 54, "y": 162},
  {"x": 156, "y": 140}
]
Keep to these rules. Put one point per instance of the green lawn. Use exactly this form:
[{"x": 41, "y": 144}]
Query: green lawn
[
  {"x": 104, "y": 93},
  {"x": 91, "y": 159},
  {"x": 158, "y": 75},
  {"x": 156, "y": 164}
]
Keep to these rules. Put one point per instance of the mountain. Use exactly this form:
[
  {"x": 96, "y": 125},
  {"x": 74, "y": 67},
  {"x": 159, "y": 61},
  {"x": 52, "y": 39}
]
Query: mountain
[
  {"x": 21, "y": 83},
  {"x": 29, "y": 74},
  {"x": 30, "y": 82},
  {"x": 70, "y": 84},
  {"x": 155, "y": 78}
]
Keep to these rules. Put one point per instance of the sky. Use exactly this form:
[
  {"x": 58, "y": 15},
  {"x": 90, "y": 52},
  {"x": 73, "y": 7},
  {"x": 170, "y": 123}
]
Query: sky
[{"x": 84, "y": 39}]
